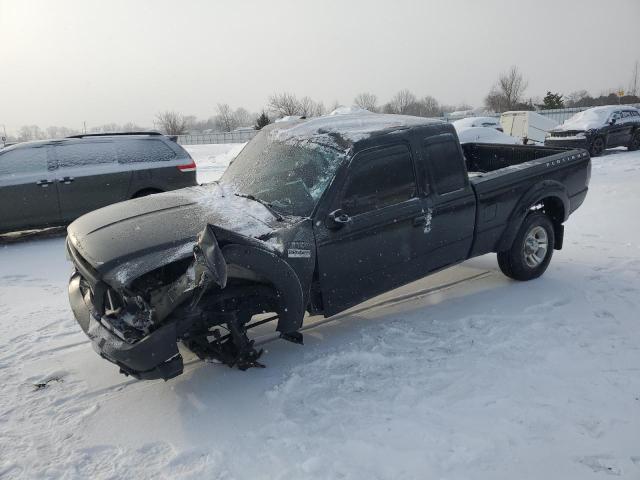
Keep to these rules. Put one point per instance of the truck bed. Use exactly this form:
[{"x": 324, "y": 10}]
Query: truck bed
[{"x": 503, "y": 175}]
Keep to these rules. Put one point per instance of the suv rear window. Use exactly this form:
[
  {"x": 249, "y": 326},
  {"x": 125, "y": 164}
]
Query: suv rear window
[
  {"x": 84, "y": 153},
  {"x": 137, "y": 150}
]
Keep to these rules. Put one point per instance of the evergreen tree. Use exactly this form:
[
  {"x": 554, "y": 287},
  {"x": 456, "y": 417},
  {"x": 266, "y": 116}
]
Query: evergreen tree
[
  {"x": 262, "y": 121},
  {"x": 552, "y": 100}
]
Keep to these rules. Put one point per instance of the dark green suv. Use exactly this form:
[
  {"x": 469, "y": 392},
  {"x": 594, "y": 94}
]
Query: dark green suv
[{"x": 53, "y": 182}]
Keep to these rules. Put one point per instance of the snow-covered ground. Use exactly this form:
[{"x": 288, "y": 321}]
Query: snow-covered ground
[
  {"x": 485, "y": 379},
  {"x": 212, "y": 159}
]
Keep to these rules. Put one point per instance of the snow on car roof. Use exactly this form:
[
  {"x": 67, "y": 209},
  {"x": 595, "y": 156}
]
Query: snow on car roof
[
  {"x": 485, "y": 135},
  {"x": 592, "y": 118},
  {"x": 475, "y": 122},
  {"x": 352, "y": 127}
]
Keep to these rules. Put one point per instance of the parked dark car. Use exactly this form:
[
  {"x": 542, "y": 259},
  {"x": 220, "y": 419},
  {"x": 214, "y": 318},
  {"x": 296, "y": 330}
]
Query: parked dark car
[
  {"x": 312, "y": 216},
  {"x": 53, "y": 182},
  {"x": 599, "y": 128}
]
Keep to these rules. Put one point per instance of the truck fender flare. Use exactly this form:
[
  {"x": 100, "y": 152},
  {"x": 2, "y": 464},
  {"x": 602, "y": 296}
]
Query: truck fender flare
[
  {"x": 540, "y": 191},
  {"x": 281, "y": 276}
]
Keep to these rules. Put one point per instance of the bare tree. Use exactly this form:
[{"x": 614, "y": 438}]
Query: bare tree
[
  {"x": 30, "y": 132},
  {"x": 284, "y": 104},
  {"x": 307, "y": 107},
  {"x": 60, "y": 132},
  {"x": 320, "y": 109},
  {"x": 508, "y": 91},
  {"x": 131, "y": 127},
  {"x": 368, "y": 101},
  {"x": 404, "y": 102},
  {"x": 225, "y": 120},
  {"x": 430, "y": 107},
  {"x": 243, "y": 117},
  {"x": 172, "y": 123}
]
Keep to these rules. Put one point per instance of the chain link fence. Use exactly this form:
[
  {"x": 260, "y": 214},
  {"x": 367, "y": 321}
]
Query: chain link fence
[{"x": 217, "y": 137}]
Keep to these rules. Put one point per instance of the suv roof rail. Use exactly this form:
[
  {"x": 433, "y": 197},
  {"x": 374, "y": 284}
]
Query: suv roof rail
[{"x": 82, "y": 135}]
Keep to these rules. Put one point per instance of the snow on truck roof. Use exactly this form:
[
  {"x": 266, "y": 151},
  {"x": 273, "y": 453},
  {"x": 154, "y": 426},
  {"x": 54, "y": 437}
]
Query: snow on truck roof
[{"x": 351, "y": 127}]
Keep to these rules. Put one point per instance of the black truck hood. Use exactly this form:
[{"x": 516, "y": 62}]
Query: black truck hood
[{"x": 127, "y": 239}]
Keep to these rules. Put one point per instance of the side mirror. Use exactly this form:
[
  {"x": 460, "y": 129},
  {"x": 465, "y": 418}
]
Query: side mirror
[
  {"x": 612, "y": 121},
  {"x": 337, "y": 219}
]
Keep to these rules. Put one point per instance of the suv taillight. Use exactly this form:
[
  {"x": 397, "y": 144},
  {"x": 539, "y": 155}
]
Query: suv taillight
[{"x": 189, "y": 167}]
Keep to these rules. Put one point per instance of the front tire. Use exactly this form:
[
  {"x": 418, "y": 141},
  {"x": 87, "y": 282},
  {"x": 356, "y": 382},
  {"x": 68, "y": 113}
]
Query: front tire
[
  {"x": 634, "y": 144},
  {"x": 531, "y": 251},
  {"x": 597, "y": 147}
]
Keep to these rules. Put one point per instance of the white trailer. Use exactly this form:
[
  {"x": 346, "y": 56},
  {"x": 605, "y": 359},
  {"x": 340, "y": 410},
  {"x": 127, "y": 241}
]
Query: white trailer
[{"x": 530, "y": 127}]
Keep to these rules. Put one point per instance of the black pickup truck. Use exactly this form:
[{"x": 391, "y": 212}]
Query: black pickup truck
[{"x": 312, "y": 216}]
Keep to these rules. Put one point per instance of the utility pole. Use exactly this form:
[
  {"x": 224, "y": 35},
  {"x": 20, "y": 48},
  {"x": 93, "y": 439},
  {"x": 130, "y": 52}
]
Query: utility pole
[
  {"x": 84, "y": 126},
  {"x": 633, "y": 87}
]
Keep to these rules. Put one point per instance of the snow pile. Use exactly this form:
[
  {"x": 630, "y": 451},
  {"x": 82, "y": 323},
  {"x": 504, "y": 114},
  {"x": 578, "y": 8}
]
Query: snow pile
[
  {"x": 288, "y": 118},
  {"x": 485, "y": 379},
  {"x": 213, "y": 159},
  {"x": 485, "y": 135},
  {"x": 349, "y": 110}
]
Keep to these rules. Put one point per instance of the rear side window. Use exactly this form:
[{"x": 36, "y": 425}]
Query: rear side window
[
  {"x": 138, "y": 150},
  {"x": 84, "y": 153},
  {"x": 379, "y": 178},
  {"x": 443, "y": 154},
  {"x": 23, "y": 161}
]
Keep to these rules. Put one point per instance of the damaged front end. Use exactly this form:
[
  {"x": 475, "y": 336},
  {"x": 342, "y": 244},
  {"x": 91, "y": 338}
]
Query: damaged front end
[{"x": 205, "y": 300}]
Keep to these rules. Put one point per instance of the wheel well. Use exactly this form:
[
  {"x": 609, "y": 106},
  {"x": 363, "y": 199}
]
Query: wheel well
[
  {"x": 146, "y": 191},
  {"x": 554, "y": 209}
]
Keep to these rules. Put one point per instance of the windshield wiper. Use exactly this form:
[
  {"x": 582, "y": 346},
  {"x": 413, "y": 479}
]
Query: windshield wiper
[{"x": 268, "y": 205}]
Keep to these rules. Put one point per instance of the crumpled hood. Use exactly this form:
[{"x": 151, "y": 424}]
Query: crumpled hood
[{"x": 126, "y": 239}]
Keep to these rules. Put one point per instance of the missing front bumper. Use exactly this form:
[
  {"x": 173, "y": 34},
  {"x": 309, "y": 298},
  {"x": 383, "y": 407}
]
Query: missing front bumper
[{"x": 155, "y": 356}]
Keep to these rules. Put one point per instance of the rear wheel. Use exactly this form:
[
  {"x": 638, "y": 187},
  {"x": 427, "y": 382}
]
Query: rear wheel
[
  {"x": 597, "y": 147},
  {"x": 634, "y": 144},
  {"x": 531, "y": 251}
]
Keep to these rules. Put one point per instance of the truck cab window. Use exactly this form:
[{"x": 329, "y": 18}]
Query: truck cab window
[
  {"x": 444, "y": 156},
  {"x": 379, "y": 178}
]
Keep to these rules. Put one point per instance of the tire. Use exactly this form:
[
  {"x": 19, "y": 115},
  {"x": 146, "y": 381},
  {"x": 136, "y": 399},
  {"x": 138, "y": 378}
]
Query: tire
[
  {"x": 597, "y": 147},
  {"x": 634, "y": 144},
  {"x": 522, "y": 261}
]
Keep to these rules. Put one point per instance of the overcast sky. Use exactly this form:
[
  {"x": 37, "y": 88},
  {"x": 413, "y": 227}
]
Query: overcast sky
[{"x": 63, "y": 62}]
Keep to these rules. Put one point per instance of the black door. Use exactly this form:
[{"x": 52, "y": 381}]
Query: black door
[
  {"x": 28, "y": 189},
  {"x": 628, "y": 123},
  {"x": 443, "y": 173},
  {"x": 89, "y": 176},
  {"x": 383, "y": 228},
  {"x": 617, "y": 130}
]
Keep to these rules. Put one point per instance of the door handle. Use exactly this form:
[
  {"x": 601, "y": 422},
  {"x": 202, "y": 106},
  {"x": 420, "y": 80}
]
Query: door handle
[
  {"x": 44, "y": 183},
  {"x": 419, "y": 221},
  {"x": 66, "y": 180}
]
